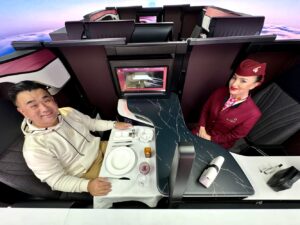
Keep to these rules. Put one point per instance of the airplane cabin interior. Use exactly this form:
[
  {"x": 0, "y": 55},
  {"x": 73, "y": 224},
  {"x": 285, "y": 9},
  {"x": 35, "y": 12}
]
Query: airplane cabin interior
[{"x": 190, "y": 51}]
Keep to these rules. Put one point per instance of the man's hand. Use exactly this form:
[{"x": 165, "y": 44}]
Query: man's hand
[
  {"x": 99, "y": 186},
  {"x": 202, "y": 133},
  {"x": 122, "y": 125}
]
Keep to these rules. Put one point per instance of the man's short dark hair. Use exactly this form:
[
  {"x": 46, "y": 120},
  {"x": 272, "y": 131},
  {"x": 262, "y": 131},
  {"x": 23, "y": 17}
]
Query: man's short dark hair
[{"x": 26, "y": 85}]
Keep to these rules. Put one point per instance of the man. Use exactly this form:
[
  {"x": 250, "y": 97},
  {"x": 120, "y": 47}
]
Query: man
[{"x": 58, "y": 146}]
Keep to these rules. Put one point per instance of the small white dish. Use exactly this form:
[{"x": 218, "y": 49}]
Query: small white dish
[
  {"x": 120, "y": 160},
  {"x": 145, "y": 134}
]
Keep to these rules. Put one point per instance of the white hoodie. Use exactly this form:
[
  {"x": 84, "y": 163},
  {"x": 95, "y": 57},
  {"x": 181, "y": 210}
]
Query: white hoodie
[{"x": 59, "y": 155}]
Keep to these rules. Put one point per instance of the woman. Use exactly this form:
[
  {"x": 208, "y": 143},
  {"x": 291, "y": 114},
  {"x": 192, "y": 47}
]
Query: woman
[{"x": 230, "y": 113}]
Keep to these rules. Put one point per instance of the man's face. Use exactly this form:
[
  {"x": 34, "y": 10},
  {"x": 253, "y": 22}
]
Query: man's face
[{"x": 38, "y": 106}]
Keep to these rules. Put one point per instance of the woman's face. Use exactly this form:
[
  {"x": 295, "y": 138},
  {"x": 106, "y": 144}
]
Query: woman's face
[{"x": 239, "y": 86}]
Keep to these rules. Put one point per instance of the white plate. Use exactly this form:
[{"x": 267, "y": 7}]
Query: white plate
[{"x": 120, "y": 160}]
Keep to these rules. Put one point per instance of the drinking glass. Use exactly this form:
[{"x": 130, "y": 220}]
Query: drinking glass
[{"x": 144, "y": 169}]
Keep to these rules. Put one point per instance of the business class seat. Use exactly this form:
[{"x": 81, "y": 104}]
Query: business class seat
[
  {"x": 128, "y": 12},
  {"x": 15, "y": 177},
  {"x": 279, "y": 104},
  {"x": 109, "y": 29},
  {"x": 152, "y": 32},
  {"x": 75, "y": 30},
  {"x": 174, "y": 13},
  {"x": 15, "y": 174},
  {"x": 218, "y": 22},
  {"x": 107, "y": 14}
]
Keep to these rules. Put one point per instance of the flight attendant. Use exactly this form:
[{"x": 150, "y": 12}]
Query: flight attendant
[{"x": 230, "y": 113}]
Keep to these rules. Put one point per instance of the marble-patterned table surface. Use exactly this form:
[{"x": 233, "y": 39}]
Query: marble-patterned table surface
[{"x": 170, "y": 129}]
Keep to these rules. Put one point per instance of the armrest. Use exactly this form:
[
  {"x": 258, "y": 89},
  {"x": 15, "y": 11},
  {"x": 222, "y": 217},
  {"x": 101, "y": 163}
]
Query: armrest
[{"x": 264, "y": 150}]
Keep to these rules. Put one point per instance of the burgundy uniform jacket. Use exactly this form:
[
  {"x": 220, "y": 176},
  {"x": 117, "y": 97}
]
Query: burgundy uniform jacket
[{"x": 231, "y": 124}]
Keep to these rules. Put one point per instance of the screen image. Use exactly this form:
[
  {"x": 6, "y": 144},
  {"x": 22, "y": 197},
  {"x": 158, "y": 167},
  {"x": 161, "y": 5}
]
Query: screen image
[
  {"x": 147, "y": 19},
  {"x": 143, "y": 79}
]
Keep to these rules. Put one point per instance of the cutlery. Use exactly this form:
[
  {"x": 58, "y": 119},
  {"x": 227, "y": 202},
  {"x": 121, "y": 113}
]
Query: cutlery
[
  {"x": 121, "y": 146},
  {"x": 119, "y": 178},
  {"x": 124, "y": 141},
  {"x": 132, "y": 133},
  {"x": 116, "y": 144}
]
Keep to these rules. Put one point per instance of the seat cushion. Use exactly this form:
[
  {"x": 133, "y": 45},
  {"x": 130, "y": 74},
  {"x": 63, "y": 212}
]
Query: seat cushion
[{"x": 280, "y": 117}]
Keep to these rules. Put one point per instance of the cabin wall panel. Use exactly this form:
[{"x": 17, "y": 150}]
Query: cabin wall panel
[
  {"x": 126, "y": 13},
  {"x": 277, "y": 62},
  {"x": 209, "y": 68},
  {"x": 90, "y": 66},
  {"x": 191, "y": 17},
  {"x": 174, "y": 14}
]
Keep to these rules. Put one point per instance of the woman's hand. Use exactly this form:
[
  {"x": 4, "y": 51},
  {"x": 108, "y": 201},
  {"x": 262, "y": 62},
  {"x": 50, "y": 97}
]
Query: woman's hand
[
  {"x": 203, "y": 134},
  {"x": 122, "y": 125},
  {"x": 99, "y": 186}
]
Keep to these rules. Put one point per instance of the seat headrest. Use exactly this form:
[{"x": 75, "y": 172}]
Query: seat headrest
[{"x": 10, "y": 124}]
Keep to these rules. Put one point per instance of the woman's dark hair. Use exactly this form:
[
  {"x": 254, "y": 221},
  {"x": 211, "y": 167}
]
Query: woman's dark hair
[
  {"x": 259, "y": 78},
  {"x": 26, "y": 85}
]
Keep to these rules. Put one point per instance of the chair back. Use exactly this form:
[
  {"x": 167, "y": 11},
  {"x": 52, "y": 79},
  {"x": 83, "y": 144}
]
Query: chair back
[
  {"x": 110, "y": 29},
  {"x": 280, "y": 114},
  {"x": 75, "y": 30},
  {"x": 152, "y": 32}
]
